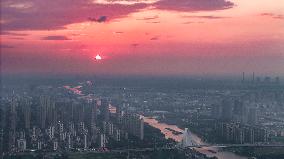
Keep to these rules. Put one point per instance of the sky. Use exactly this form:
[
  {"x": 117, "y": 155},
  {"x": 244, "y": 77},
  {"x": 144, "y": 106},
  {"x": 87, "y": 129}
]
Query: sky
[{"x": 142, "y": 37}]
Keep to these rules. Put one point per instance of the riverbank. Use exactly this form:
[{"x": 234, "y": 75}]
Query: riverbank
[
  {"x": 208, "y": 151},
  {"x": 259, "y": 152}
]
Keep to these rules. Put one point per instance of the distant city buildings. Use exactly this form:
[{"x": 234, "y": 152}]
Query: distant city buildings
[
  {"x": 60, "y": 119},
  {"x": 260, "y": 80},
  {"x": 240, "y": 134}
]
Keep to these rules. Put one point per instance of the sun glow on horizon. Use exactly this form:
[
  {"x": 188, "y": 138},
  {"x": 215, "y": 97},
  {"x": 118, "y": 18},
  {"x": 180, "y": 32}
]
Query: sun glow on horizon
[
  {"x": 98, "y": 57},
  {"x": 142, "y": 36}
]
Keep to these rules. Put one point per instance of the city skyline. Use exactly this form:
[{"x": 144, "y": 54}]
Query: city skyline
[
  {"x": 80, "y": 118},
  {"x": 144, "y": 37}
]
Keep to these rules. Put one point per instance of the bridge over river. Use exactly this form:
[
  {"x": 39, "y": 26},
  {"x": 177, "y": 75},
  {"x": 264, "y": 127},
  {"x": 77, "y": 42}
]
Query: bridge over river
[{"x": 188, "y": 141}]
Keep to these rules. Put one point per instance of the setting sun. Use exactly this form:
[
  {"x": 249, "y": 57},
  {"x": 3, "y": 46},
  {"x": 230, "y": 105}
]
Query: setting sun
[{"x": 98, "y": 57}]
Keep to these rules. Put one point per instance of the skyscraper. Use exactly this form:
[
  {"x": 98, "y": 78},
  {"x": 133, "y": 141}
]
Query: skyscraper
[
  {"x": 26, "y": 108},
  {"x": 105, "y": 109},
  {"x": 227, "y": 109},
  {"x": 103, "y": 140},
  {"x": 133, "y": 124},
  {"x": 252, "y": 118},
  {"x": 44, "y": 102},
  {"x": 216, "y": 111},
  {"x": 118, "y": 105},
  {"x": 94, "y": 112},
  {"x": 13, "y": 114},
  {"x": 240, "y": 111}
]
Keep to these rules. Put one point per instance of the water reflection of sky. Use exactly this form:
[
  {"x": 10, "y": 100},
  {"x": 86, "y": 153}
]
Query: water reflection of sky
[
  {"x": 205, "y": 150},
  {"x": 219, "y": 154},
  {"x": 75, "y": 90},
  {"x": 162, "y": 126}
]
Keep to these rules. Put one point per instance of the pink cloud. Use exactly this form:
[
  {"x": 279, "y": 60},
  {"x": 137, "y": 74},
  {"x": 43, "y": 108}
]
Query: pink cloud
[{"x": 43, "y": 15}]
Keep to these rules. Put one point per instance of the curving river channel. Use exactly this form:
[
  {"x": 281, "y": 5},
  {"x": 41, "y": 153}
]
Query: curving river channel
[{"x": 166, "y": 129}]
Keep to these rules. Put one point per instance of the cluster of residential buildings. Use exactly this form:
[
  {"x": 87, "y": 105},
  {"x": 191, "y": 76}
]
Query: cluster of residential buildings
[
  {"x": 244, "y": 119},
  {"x": 240, "y": 134},
  {"x": 48, "y": 123}
]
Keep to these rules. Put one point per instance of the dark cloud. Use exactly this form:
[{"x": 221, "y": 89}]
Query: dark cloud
[
  {"x": 42, "y": 15},
  {"x": 101, "y": 19},
  {"x": 2, "y": 46},
  {"x": 267, "y": 14},
  {"x": 55, "y": 37},
  {"x": 12, "y": 33},
  {"x": 185, "y": 5},
  {"x": 149, "y": 18},
  {"x": 275, "y": 16},
  {"x": 118, "y": 32},
  {"x": 279, "y": 17},
  {"x": 204, "y": 17},
  {"x": 155, "y": 38},
  {"x": 191, "y": 22},
  {"x": 134, "y": 45},
  {"x": 17, "y": 38},
  {"x": 193, "y": 5},
  {"x": 157, "y": 22}
]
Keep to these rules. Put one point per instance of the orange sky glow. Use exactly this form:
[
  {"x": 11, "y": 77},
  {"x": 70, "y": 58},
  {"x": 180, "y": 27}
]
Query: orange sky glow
[{"x": 147, "y": 37}]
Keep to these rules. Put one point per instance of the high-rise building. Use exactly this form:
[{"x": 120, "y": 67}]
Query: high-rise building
[
  {"x": 103, "y": 140},
  {"x": 26, "y": 108},
  {"x": 253, "y": 116},
  {"x": 118, "y": 105},
  {"x": 216, "y": 111},
  {"x": 13, "y": 114},
  {"x": 110, "y": 128},
  {"x": 240, "y": 111},
  {"x": 141, "y": 129},
  {"x": 85, "y": 141},
  {"x": 39, "y": 145},
  {"x": 117, "y": 135},
  {"x": 227, "y": 109},
  {"x": 133, "y": 124},
  {"x": 46, "y": 111},
  {"x": 69, "y": 140},
  {"x": 94, "y": 113},
  {"x": 105, "y": 109}
]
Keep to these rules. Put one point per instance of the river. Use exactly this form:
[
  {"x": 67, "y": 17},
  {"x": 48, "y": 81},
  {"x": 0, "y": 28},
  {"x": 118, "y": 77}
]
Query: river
[
  {"x": 169, "y": 134},
  {"x": 178, "y": 137}
]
